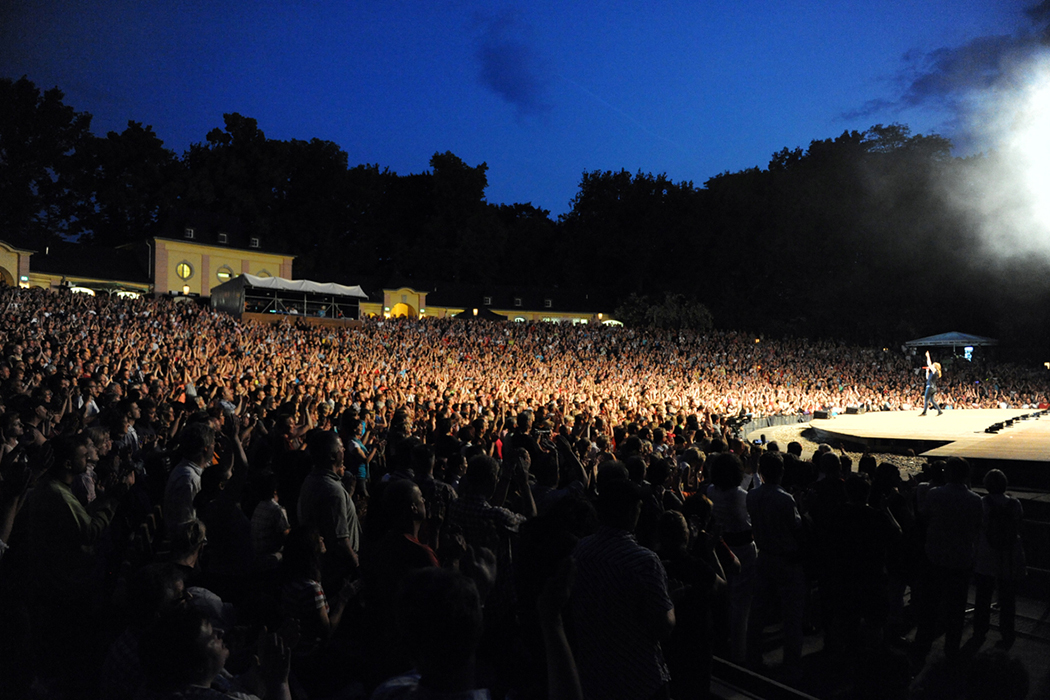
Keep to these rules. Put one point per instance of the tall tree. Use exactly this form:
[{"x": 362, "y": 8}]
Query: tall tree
[
  {"x": 638, "y": 228},
  {"x": 39, "y": 135},
  {"x": 236, "y": 171},
  {"x": 462, "y": 231},
  {"x": 529, "y": 256},
  {"x": 676, "y": 311},
  {"x": 311, "y": 207},
  {"x": 130, "y": 182}
]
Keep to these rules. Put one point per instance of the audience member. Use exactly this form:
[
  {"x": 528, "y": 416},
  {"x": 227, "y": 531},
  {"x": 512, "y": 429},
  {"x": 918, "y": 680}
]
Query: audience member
[
  {"x": 1000, "y": 559},
  {"x": 621, "y": 608},
  {"x": 325, "y": 504},
  {"x": 197, "y": 443},
  {"x": 954, "y": 514},
  {"x": 104, "y": 393},
  {"x": 777, "y": 527}
]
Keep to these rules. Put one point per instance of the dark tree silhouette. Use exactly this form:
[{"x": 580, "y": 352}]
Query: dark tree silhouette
[{"x": 39, "y": 137}]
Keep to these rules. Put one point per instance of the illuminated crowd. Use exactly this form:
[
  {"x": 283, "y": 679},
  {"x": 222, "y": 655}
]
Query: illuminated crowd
[
  {"x": 322, "y": 466},
  {"x": 618, "y": 373}
]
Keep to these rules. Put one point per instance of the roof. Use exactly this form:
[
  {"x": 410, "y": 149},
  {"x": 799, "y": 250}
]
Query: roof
[
  {"x": 562, "y": 299},
  {"x": 953, "y": 338},
  {"x": 94, "y": 262},
  {"x": 306, "y": 286},
  {"x": 213, "y": 229}
]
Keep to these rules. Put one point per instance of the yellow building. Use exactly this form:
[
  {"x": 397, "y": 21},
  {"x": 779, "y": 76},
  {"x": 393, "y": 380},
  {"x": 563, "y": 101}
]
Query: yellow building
[
  {"x": 14, "y": 265},
  {"x": 207, "y": 256},
  {"x": 201, "y": 260},
  {"x": 513, "y": 304},
  {"x": 194, "y": 267},
  {"x": 402, "y": 301}
]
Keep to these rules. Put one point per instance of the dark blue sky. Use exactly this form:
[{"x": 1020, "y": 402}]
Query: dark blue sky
[{"x": 541, "y": 91}]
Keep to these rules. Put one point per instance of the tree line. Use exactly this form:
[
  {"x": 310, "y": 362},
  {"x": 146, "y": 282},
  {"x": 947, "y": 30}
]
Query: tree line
[{"x": 851, "y": 237}]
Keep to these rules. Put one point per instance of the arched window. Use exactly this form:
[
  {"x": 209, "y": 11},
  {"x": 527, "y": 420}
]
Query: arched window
[{"x": 224, "y": 273}]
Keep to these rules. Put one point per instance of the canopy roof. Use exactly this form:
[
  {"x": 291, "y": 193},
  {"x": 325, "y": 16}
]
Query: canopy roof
[
  {"x": 953, "y": 338},
  {"x": 306, "y": 286}
]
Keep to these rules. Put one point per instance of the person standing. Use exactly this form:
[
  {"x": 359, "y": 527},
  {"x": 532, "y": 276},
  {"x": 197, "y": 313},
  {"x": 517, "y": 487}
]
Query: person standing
[
  {"x": 197, "y": 444},
  {"x": 324, "y": 503},
  {"x": 777, "y": 528},
  {"x": 1000, "y": 559},
  {"x": 954, "y": 514},
  {"x": 621, "y": 608},
  {"x": 63, "y": 576},
  {"x": 731, "y": 517},
  {"x": 933, "y": 375}
]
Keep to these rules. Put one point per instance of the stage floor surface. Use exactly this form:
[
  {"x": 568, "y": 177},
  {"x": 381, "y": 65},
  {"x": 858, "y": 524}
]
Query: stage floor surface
[{"x": 958, "y": 433}]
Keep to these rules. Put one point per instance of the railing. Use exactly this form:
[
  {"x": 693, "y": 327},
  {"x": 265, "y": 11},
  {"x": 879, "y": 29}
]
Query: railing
[{"x": 771, "y": 421}]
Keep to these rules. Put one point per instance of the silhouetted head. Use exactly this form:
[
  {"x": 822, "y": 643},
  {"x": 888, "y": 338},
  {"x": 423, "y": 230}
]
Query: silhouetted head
[{"x": 995, "y": 481}]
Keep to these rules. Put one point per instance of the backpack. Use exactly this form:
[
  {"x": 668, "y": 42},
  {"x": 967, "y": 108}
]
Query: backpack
[{"x": 1002, "y": 528}]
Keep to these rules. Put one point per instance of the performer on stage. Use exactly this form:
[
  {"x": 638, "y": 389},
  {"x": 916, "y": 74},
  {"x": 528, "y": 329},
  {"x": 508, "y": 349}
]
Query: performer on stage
[{"x": 933, "y": 374}]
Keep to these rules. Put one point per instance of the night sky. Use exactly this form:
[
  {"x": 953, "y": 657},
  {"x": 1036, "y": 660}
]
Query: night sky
[{"x": 539, "y": 91}]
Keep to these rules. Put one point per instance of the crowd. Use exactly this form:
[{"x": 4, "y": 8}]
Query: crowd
[{"x": 191, "y": 506}]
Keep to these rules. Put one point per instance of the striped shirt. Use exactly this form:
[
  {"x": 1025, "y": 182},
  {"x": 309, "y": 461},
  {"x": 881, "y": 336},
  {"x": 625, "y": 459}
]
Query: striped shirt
[
  {"x": 302, "y": 598},
  {"x": 620, "y": 589}
]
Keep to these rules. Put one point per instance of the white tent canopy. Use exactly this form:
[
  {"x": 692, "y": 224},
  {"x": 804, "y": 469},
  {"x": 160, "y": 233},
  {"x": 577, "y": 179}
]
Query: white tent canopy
[{"x": 302, "y": 286}]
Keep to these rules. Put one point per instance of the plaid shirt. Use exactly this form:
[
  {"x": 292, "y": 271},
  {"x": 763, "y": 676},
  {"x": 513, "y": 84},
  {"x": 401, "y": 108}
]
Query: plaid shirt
[
  {"x": 435, "y": 492},
  {"x": 480, "y": 520},
  {"x": 486, "y": 525},
  {"x": 620, "y": 588}
]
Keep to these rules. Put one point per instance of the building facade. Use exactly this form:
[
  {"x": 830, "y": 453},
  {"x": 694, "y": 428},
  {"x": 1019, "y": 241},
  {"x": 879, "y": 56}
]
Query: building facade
[
  {"x": 187, "y": 266},
  {"x": 521, "y": 305},
  {"x": 192, "y": 265}
]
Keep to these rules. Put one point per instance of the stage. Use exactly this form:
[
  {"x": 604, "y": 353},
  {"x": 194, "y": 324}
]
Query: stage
[{"x": 1020, "y": 445}]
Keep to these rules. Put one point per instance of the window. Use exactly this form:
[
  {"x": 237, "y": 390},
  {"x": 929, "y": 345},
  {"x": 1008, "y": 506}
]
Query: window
[
  {"x": 254, "y": 242},
  {"x": 224, "y": 238},
  {"x": 487, "y": 301},
  {"x": 519, "y": 319},
  {"x": 546, "y": 303},
  {"x": 224, "y": 273},
  {"x": 184, "y": 270},
  {"x": 263, "y": 273},
  {"x": 517, "y": 302},
  {"x": 190, "y": 234}
]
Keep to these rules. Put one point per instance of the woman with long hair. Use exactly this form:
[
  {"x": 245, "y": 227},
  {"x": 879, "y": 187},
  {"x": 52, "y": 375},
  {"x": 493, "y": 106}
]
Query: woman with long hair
[{"x": 933, "y": 375}]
